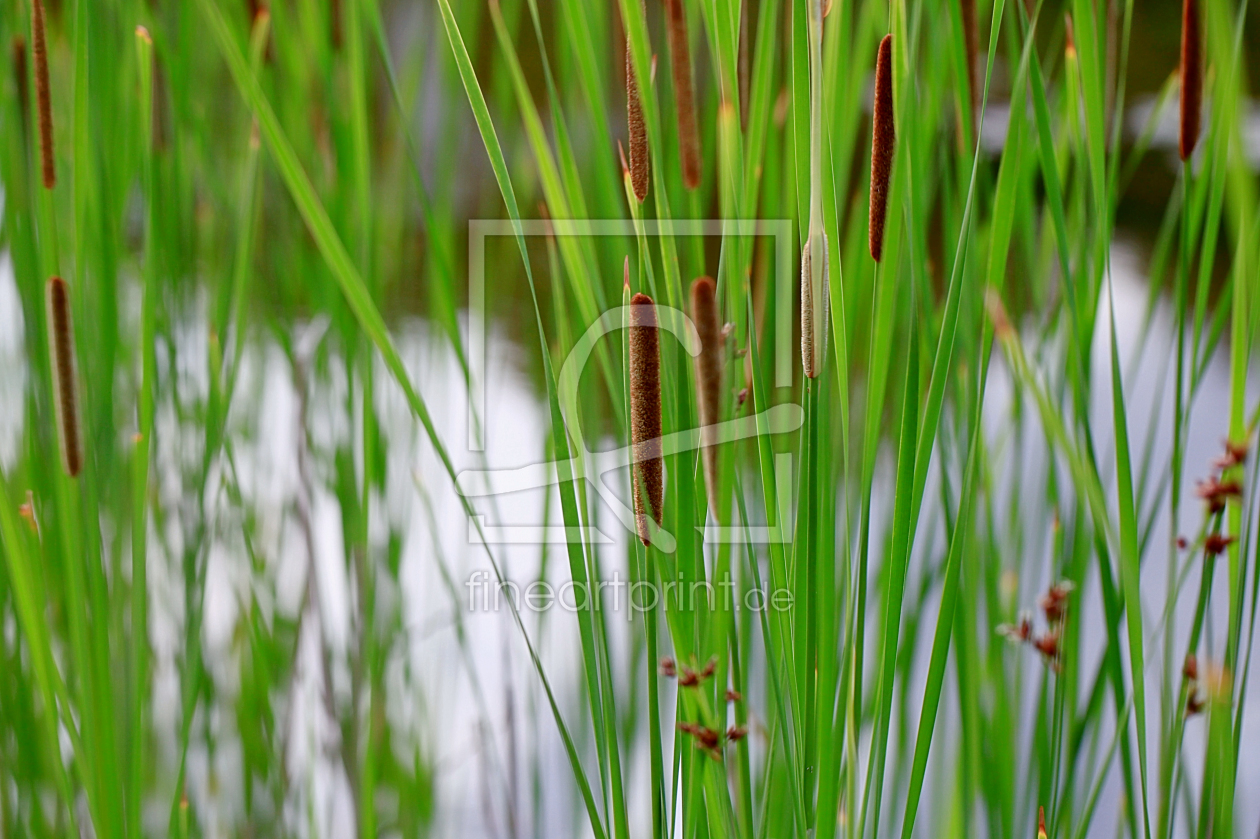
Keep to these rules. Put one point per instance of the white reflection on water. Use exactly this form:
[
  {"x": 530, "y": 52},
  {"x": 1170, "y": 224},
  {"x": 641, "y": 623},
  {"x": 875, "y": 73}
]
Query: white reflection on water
[{"x": 478, "y": 717}]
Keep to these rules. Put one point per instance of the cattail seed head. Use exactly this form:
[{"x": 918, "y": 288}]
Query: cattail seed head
[
  {"x": 638, "y": 134},
  {"x": 61, "y": 345},
  {"x": 684, "y": 93},
  {"x": 970, "y": 41},
  {"x": 334, "y": 14},
  {"x": 39, "y": 47},
  {"x": 704, "y": 311},
  {"x": 883, "y": 139},
  {"x": 639, "y": 163},
  {"x": 20, "y": 78},
  {"x": 815, "y": 309},
  {"x": 1191, "y": 77},
  {"x": 645, "y": 414}
]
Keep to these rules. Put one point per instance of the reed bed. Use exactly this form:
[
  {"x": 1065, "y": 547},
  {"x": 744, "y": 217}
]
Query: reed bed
[{"x": 980, "y": 560}]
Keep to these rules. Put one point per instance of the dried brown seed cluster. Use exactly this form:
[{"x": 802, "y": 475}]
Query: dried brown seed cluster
[
  {"x": 1235, "y": 455},
  {"x": 1054, "y": 602},
  {"x": 1217, "y": 543},
  {"x": 706, "y": 738},
  {"x": 688, "y": 677},
  {"x": 1054, "y": 605},
  {"x": 1190, "y": 672},
  {"x": 1048, "y": 646},
  {"x": 1018, "y": 633},
  {"x": 1216, "y": 492},
  {"x": 1205, "y": 682}
]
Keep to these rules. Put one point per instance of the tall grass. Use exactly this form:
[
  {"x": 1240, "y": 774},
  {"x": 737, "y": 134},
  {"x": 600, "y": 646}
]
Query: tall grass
[{"x": 1002, "y": 587}]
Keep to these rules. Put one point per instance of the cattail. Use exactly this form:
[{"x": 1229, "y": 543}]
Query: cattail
[
  {"x": 20, "y": 77},
  {"x": 40, "y": 48},
  {"x": 704, "y": 311},
  {"x": 61, "y": 343},
  {"x": 1191, "y": 77},
  {"x": 645, "y": 413},
  {"x": 334, "y": 14},
  {"x": 684, "y": 97},
  {"x": 972, "y": 49},
  {"x": 814, "y": 329},
  {"x": 883, "y": 139},
  {"x": 639, "y": 163}
]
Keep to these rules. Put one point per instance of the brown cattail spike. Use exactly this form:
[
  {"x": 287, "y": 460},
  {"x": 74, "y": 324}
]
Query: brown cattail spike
[
  {"x": 40, "y": 49},
  {"x": 334, "y": 14},
  {"x": 645, "y": 414},
  {"x": 20, "y": 78},
  {"x": 814, "y": 300},
  {"x": 704, "y": 311},
  {"x": 1191, "y": 77},
  {"x": 61, "y": 344},
  {"x": 639, "y": 164},
  {"x": 684, "y": 94},
  {"x": 972, "y": 49},
  {"x": 883, "y": 139}
]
